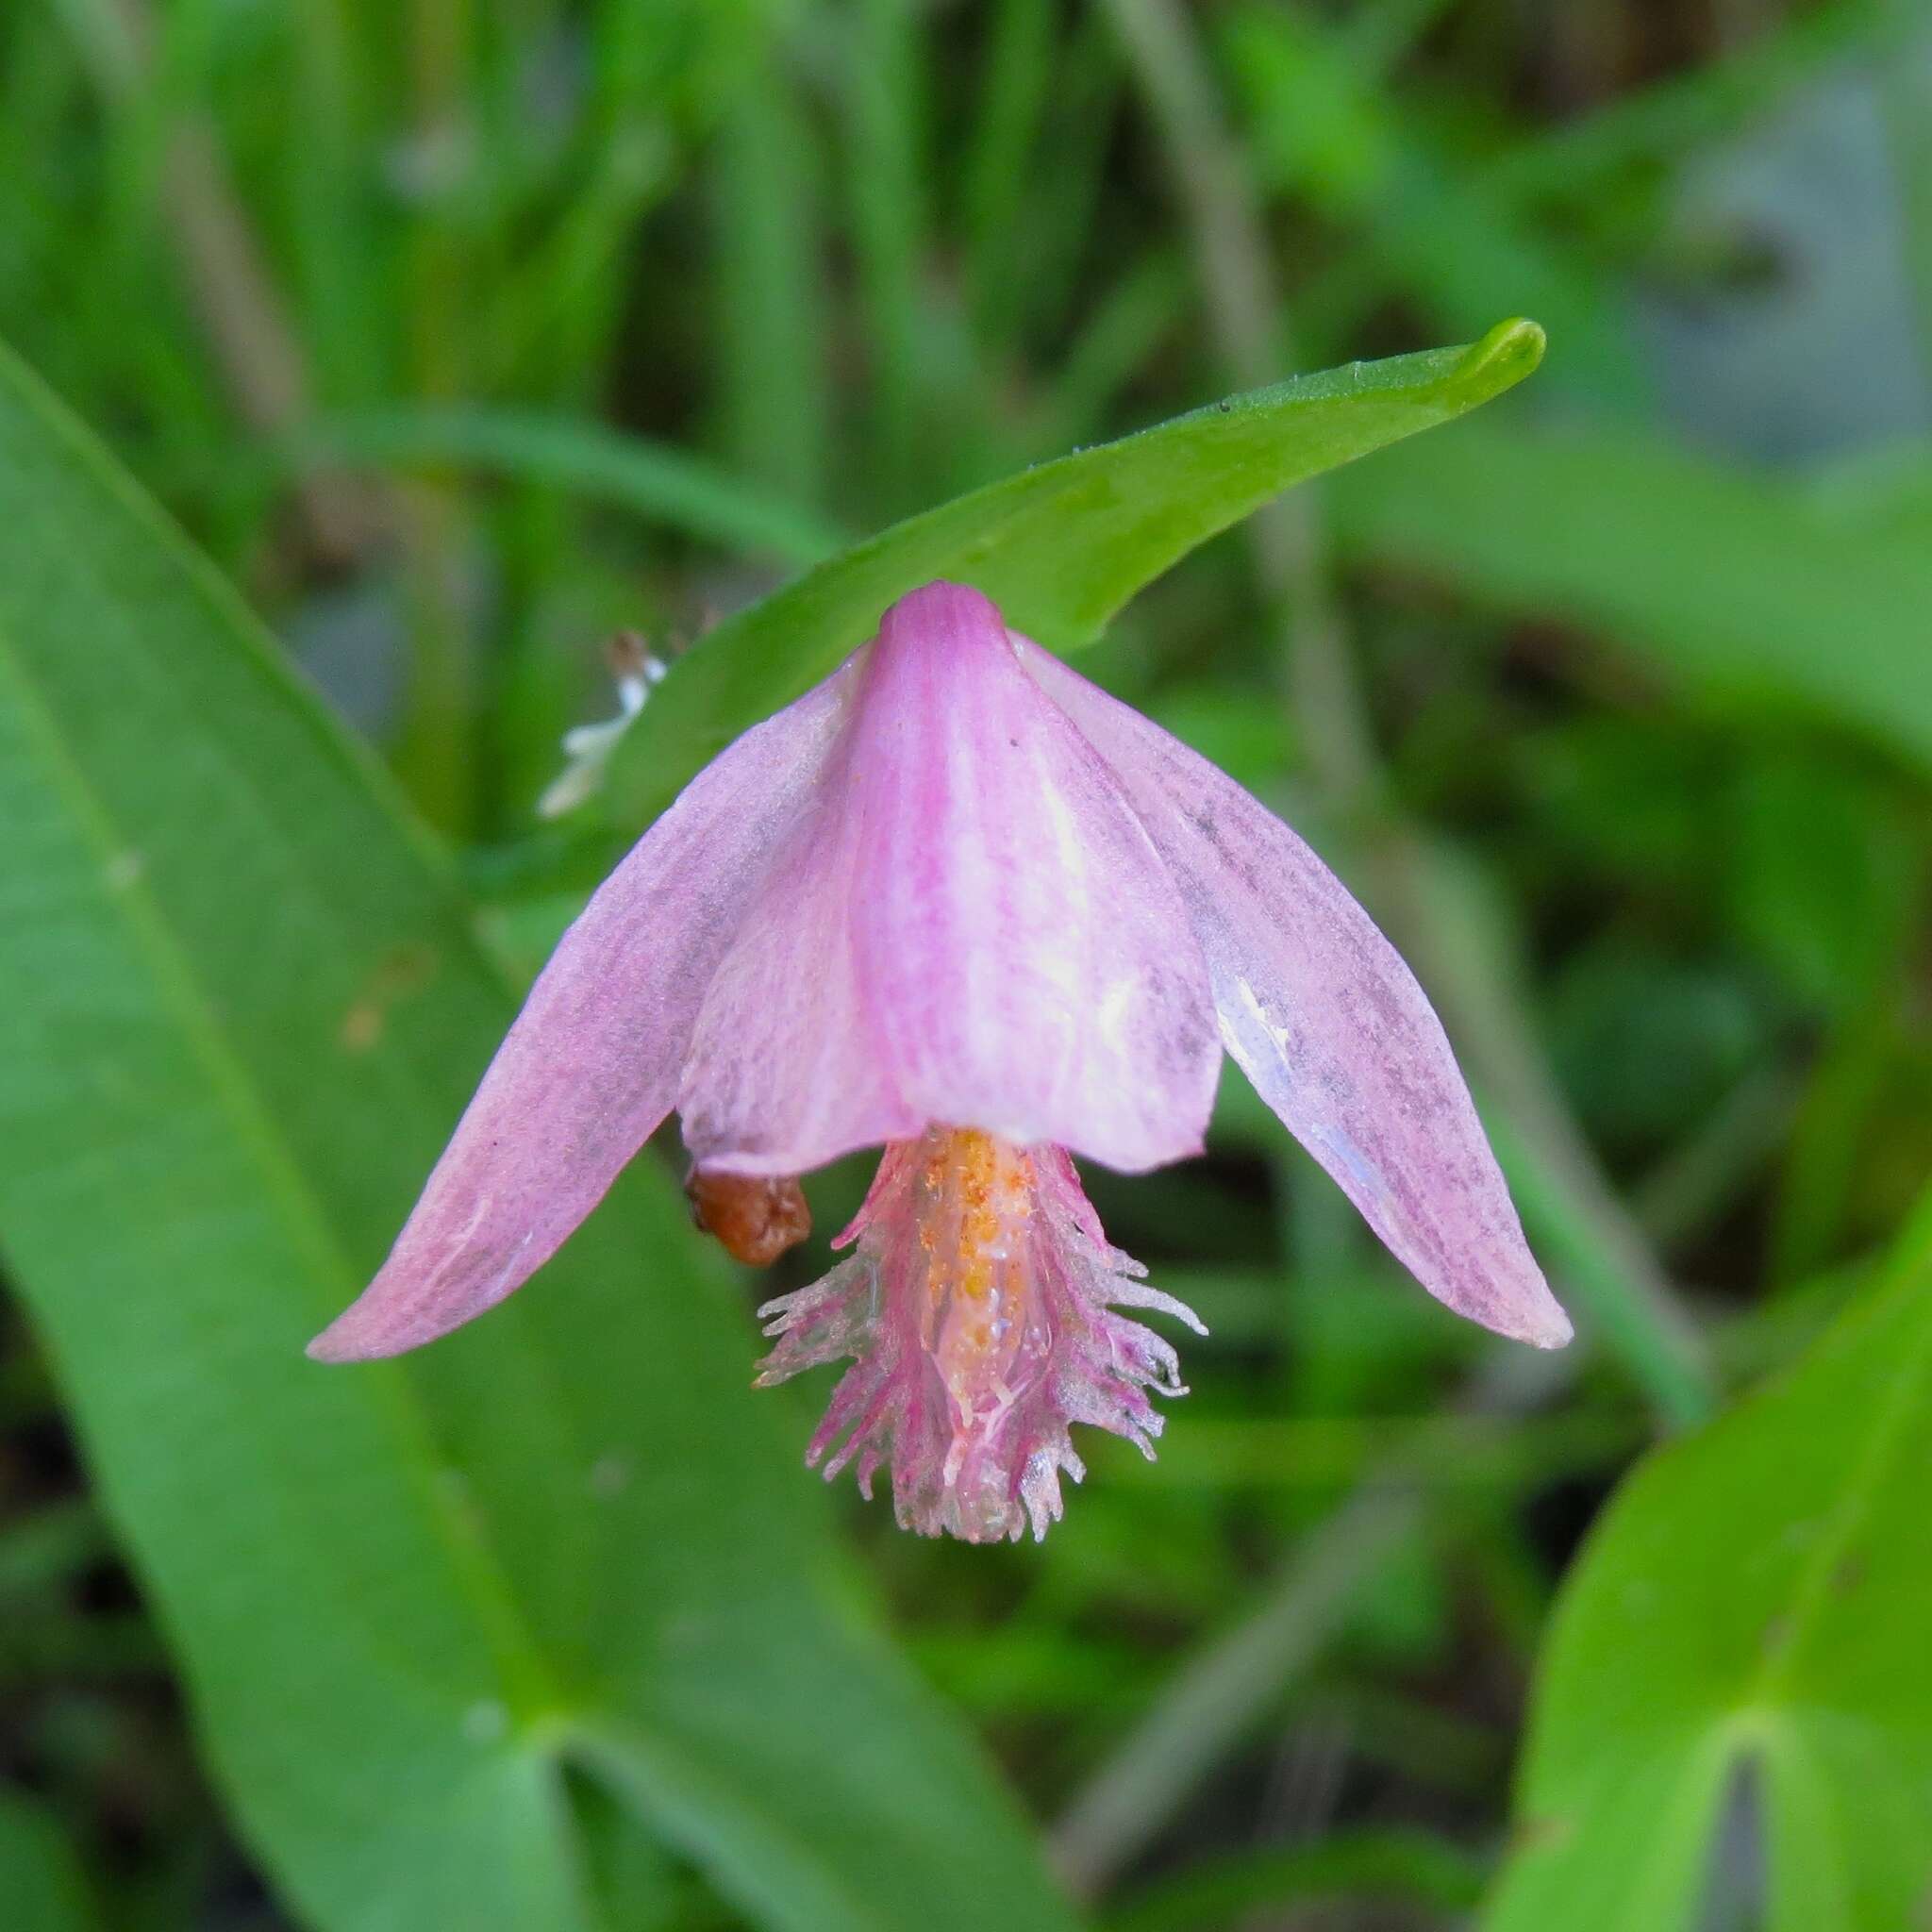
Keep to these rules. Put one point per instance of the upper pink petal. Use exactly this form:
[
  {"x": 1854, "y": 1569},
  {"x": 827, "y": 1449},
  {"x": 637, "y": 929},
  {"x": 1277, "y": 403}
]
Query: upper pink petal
[
  {"x": 786, "y": 1069},
  {"x": 1326, "y": 1020},
  {"x": 591, "y": 1065},
  {"x": 970, "y": 927},
  {"x": 1028, "y": 962}
]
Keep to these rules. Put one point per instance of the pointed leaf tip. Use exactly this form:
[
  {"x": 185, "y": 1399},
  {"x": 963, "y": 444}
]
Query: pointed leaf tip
[
  {"x": 1060, "y": 546},
  {"x": 1509, "y": 352}
]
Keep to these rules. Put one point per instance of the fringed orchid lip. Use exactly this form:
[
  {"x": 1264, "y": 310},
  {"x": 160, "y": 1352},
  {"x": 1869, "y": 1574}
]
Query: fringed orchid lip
[
  {"x": 956, "y": 891},
  {"x": 980, "y": 1309}
]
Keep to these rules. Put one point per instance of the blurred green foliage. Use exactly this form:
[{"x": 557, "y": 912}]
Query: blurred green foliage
[{"x": 460, "y": 336}]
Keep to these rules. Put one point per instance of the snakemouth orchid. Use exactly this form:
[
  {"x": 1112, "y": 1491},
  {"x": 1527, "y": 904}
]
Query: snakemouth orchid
[{"x": 958, "y": 903}]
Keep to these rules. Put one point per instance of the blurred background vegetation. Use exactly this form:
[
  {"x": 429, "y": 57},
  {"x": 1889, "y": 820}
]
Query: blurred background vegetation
[{"x": 465, "y": 333}]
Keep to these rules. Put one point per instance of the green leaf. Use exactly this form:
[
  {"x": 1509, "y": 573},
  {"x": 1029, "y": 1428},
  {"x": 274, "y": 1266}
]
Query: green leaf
[
  {"x": 771, "y": 305},
  {"x": 1060, "y": 547},
  {"x": 1730, "y": 582},
  {"x": 41, "y": 1879},
  {"x": 240, "y": 1007},
  {"x": 1751, "y": 1606},
  {"x": 660, "y": 485}
]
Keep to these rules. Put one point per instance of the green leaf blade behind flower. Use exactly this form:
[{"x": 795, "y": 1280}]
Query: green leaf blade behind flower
[
  {"x": 1730, "y": 583},
  {"x": 240, "y": 1007},
  {"x": 1747, "y": 1620},
  {"x": 1060, "y": 547},
  {"x": 651, "y": 480}
]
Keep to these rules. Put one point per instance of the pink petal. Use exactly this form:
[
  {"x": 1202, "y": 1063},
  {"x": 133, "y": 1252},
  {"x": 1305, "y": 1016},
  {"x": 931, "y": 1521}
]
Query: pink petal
[
  {"x": 590, "y": 1066},
  {"x": 785, "y": 1070},
  {"x": 1031, "y": 960},
  {"x": 976, "y": 931},
  {"x": 1326, "y": 1020}
]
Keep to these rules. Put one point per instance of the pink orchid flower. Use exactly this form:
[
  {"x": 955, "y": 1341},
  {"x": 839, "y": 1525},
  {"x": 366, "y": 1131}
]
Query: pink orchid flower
[{"x": 958, "y": 902}]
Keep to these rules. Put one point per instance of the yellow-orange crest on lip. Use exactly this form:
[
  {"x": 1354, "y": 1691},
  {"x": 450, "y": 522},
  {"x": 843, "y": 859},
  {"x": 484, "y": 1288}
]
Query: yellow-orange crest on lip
[{"x": 985, "y": 1328}]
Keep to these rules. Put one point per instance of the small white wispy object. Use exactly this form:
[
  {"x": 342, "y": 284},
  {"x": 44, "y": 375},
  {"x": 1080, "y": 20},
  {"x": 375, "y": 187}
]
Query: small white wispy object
[{"x": 637, "y": 671}]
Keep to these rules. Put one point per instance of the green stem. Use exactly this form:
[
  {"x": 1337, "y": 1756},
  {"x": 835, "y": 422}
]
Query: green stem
[
  {"x": 434, "y": 752},
  {"x": 252, "y": 338},
  {"x": 1248, "y": 318}
]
